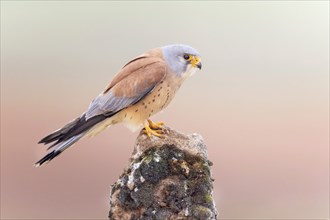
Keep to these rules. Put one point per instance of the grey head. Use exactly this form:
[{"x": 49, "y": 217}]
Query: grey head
[{"x": 179, "y": 57}]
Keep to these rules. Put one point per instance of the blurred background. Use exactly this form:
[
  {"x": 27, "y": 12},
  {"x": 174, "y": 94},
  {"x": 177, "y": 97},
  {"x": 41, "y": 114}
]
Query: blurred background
[{"x": 261, "y": 101}]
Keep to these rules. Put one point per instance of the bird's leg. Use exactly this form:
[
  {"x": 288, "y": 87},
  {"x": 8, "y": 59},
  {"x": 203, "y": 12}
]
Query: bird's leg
[
  {"x": 155, "y": 126},
  {"x": 151, "y": 128}
]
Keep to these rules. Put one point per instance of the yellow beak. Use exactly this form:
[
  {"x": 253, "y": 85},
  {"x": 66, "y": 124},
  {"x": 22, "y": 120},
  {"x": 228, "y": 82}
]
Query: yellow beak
[{"x": 196, "y": 62}]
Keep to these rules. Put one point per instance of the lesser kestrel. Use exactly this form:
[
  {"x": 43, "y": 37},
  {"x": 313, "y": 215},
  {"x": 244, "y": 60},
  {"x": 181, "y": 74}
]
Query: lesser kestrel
[{"x": 143, "y": 87}]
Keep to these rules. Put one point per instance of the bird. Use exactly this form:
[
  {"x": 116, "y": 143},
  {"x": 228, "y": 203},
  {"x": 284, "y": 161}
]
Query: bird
[{"x": 143, "y": 87}]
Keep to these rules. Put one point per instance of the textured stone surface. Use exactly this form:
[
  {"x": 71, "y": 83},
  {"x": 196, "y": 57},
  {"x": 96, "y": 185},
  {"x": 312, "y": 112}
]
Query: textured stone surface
[{"x": 168, "y": 178}]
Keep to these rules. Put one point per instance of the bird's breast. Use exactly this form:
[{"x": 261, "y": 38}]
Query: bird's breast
[{"x": 158, "y": 99}]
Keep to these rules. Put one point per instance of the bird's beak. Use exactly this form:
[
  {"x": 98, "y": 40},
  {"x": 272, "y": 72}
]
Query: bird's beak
[
  {"x": 196, "y": 62},
  {"x": 199, "y": 65}
]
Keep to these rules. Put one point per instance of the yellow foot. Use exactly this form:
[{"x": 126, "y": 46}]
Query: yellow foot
[
  {"x": 155, "y": 126},
  {"x": 151, "y": 128}
]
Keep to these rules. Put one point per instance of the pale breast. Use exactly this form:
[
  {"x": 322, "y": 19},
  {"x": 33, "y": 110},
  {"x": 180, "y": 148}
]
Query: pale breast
[{"x": 157, "y": 100}]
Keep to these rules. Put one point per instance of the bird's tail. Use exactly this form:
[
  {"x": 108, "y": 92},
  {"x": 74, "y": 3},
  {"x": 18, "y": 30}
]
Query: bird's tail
[
  {"x": 67, "y": 136},
  {"x": 59, "y": 149}
]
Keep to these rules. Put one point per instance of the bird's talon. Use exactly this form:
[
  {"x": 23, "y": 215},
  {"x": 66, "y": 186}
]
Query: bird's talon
[
  {"x": 148, "y": 131},
  {"x": 155, "y": 126},
  {"x": 152, "y": 128}
]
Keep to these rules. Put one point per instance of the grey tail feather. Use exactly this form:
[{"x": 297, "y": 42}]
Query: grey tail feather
[
  {"x": 73, "y": 128},
  {"x": 69, "y": 134},
  {"x": 60, "y": 132},
  {"x": 59, "y": 149}
]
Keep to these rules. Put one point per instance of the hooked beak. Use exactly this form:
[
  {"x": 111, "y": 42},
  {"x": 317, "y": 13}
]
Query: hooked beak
[
  {"x": 196, "y": 62},
  {"x": 199, "y": 65}
]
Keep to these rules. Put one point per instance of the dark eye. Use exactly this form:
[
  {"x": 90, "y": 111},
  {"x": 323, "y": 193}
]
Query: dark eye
[{"x": 186, "y": 56}]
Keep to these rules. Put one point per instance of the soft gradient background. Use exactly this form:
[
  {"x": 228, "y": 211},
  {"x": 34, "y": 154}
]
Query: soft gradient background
[{"x": 260, "y": 102}]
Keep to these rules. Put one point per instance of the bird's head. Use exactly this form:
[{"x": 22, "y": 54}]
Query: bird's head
[{"x": 182, "y": 59}]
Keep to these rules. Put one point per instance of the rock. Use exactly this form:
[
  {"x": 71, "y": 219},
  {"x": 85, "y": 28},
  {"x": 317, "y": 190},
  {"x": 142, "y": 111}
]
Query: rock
[{"x": 168, "y": 178}]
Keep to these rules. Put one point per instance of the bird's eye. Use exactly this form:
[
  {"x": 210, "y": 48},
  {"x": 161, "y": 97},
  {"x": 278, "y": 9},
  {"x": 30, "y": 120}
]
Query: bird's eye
[{"x": 186, "y": 56}]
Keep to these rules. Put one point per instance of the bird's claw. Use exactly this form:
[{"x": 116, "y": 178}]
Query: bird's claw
[
  {"x": 155, "y": 126},
  {"x": 152, "y": 128}
]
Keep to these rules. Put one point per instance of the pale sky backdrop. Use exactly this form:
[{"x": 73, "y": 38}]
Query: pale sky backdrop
[{"x": 261, "y": 101}]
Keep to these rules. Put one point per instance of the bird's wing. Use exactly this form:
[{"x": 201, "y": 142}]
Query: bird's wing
[{"x": 135, "y": 80}]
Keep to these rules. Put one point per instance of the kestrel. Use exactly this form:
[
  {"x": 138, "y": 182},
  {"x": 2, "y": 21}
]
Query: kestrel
[{"x": 143, "y": 87}]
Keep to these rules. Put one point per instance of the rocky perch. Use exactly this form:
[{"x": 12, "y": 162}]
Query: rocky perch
[{"x": 168, "y": 178}]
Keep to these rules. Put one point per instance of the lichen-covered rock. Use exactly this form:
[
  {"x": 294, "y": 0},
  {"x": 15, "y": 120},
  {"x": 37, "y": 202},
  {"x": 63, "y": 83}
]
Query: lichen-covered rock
[{"x": 168, "y": 178}]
